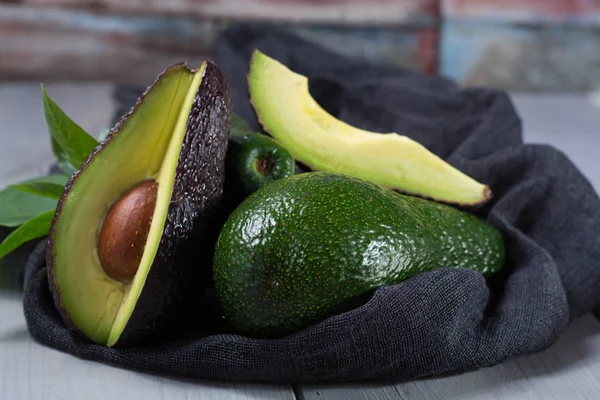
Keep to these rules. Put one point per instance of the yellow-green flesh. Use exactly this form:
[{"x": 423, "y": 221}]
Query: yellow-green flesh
[
  {"x": 288, "y": 112},
  {"x": 146, "y": 147}
]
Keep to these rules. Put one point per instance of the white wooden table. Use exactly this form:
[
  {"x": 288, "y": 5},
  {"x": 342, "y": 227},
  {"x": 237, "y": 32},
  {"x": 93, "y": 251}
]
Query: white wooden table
[{"x": 568, "y": 370}]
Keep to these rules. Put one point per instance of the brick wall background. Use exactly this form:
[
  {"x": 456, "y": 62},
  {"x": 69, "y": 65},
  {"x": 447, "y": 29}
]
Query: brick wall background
[{"x": 534, "y": 45}]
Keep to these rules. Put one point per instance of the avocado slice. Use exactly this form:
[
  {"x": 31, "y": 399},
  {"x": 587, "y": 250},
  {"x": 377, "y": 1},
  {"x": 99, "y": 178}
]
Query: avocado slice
[
  {"x": 316, "y": 244},
  {"x": 287, "y": 111},
  {"x": 133, "y": 234}
]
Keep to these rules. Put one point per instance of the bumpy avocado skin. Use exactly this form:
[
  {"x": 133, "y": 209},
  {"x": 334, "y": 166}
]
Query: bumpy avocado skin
[
  {"x": 306, "y": 247},
  {"x": 173, "y": 283},
  {"x": 183, "y": 262}
]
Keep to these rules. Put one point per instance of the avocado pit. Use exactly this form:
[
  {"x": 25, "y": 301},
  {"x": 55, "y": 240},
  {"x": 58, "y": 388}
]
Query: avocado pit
[{"x": 125, "y": 229}]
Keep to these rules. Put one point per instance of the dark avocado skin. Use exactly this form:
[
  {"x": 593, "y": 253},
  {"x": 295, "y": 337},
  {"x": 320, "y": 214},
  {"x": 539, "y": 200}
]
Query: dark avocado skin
[
  {"x": 182, "y": 265},
  {"x": 173, "y": 283},
  {"x": 242, "y": 177},
  {"x": 304, "y": 248}
]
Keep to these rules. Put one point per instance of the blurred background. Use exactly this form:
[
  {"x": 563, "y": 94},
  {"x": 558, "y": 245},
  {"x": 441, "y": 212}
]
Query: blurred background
[
  {"x": 545, "y": 53},
  {"x": 529, "y": 45}
]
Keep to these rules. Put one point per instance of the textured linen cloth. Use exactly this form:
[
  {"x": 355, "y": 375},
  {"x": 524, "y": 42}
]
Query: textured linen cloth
[{"x": 442, "y": 322}]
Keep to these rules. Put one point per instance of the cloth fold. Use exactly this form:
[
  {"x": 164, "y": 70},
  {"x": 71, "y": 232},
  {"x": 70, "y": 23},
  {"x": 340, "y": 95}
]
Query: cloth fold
[{"x": 437, "y": 323}]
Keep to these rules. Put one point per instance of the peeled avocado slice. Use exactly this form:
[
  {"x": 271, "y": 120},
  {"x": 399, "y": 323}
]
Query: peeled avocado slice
[
  {"x": 169, "y": 151},
  {"x": 288, "y": 112}
]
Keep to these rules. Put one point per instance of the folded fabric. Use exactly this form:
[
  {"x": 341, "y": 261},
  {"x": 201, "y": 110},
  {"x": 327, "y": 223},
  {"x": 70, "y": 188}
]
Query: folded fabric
[{"x": 442, "y": 322}]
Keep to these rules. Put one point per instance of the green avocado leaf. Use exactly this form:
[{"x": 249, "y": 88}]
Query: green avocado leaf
[
  {"x": 29, "y": 206},
  {"x": 62, "y": 159},
  {"x": 45, "y": 189},
  {"x": 239, "y": 127},
  {"x": 70, "y": 143},
  {"x": 35, "y": 228},
  {"x": 17, "y": 206}
]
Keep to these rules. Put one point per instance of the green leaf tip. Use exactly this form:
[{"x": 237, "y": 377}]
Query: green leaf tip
[
  {"x": 71, "y": 144},
  {"x": 35, "y": 228}
]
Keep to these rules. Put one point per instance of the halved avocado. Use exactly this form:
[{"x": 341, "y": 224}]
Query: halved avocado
[
  {"x": 287, "y": 111},
  {"x": 133, "y": 233}
]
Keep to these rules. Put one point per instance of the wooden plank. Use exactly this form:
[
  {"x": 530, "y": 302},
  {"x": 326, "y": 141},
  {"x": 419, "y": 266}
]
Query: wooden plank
[
  {"x": 576, "y": 12},
  {"x": 414, "y": 48},
  {"x": 595, "y": 98},
  {"x": 521, "y": 57},
  {"x": 29, "y": 370},
  {"x": 566, "y": 121},
  {"x": 348, "y": 391},
  {"x": 332, "y": 11},
  {"x": 40, "y": 44},
  {"x": 77, "y": 45},
  {"x": 568, "y": 370}
]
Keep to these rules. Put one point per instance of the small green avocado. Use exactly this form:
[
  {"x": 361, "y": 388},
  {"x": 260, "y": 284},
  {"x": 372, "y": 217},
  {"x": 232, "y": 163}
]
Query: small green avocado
[
  {"x": 252, "y": 162},
  {"x": 304, "y": 248},
  {"x": 139, "y": 210},
  {"x": 287, "y": 111}
]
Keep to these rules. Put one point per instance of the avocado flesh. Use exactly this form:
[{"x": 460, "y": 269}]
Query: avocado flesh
[
  {"x": 165, "y": 179},
  {"x": 316, "y": 244},
  {"x": 287, "y": 111},
  {"x": 146, "y": 147}
]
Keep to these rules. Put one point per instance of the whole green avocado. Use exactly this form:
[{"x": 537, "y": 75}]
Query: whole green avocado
[{"x": 304, "y": 248}]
